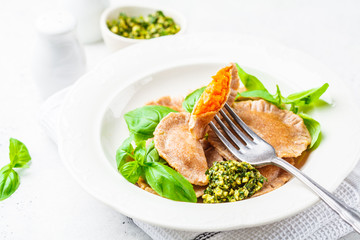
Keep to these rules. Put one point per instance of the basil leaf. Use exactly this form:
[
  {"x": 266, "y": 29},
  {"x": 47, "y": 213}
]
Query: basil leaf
[
  {"x": 142, "y": 121},
  {"x": 140, "y": 152},
  {"x": 131, "y": 171},
  {"x": 9, "y": 182},
  {"x": 152, "y": 155},
  {"x": 191, "y": 99},
  {"x": 250, "y": 82},
  {"x": 124, "y": 152},
  {"x": 19, "y": 154},
  {"x": 306, "y": 97},
  {"x": 169, "y": 183},
  {"x": 261, "y": 94},
  {"x": 313, "y": 127}
]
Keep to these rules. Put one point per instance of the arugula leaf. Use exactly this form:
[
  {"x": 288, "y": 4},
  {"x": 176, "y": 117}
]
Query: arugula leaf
[
  {"x": 19, "y": 154},
  {"x": 279, "y": 98},
  {"x": 250, "y": 82},
  {"x": 124, "y": 152},
  {"x": 238, "y": 95},
  {"x": 131, "y": 171},
  {"x": 169, "y": 183},
  {"x": 255, "y": 88},
  {"x": 306, "y": 97},
  {"x": 261, "y": 94},
  {"x": 9, "y": 182},
  {"x": 142, "y": 121},
  {"x": 313, "y": 127},
  {"x": 191, "y": 99}
]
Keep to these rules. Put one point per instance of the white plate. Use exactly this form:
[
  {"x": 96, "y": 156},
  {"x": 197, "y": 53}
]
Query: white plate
[{"x": 92, "y": 126}]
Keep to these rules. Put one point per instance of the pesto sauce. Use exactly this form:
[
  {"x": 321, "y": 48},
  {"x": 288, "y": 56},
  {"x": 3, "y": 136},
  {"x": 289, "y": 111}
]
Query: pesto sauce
[
  {"x": 231, "y": 181},
  {"x": 152, "y": 26}
]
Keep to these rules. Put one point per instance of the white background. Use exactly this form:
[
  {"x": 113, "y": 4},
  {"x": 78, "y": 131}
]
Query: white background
[{"x": 49, "y": 204}]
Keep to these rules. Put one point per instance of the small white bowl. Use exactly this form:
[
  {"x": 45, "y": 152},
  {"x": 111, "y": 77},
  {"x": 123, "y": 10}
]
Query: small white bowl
[{"x": 114, "y": 41}]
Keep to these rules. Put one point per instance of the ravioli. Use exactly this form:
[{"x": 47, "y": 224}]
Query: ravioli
[
  {"x": 222, "y": 89},
  {"x": 180, "y": 149},
  {"x": 282, "y": 129},
  {"x": 199, "y": 190},
  {"x": 212, "y": 156}
]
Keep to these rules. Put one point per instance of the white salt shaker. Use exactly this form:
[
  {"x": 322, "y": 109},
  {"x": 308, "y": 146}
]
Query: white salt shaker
[
  {"x": 87, "y": 14},
  {"x": 59, "y": 59}
]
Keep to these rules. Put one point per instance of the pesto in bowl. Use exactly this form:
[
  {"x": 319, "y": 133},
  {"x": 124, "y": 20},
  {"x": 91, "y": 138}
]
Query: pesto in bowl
[{"x": 152, "y": 26}]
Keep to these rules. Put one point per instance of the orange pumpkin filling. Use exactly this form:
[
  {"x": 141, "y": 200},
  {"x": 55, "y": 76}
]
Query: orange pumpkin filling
[{"x": 215, "y": 93}]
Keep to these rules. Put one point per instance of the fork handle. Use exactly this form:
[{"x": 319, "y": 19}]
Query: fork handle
[{"x": 345, "y": 212}]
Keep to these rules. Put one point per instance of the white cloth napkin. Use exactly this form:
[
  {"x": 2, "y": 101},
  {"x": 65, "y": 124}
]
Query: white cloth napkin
[{"x": 316, "y": 223}]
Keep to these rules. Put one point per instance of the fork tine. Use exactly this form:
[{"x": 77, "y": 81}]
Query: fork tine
[
  {"x": 243, "y": 137},
  {"x": 250, "y": 132},
  {"x": 230, "y": 134},
  {"x": 226, "y": 142}
]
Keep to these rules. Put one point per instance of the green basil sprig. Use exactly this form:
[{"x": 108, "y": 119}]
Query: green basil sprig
[
  {"x": 9, "y": 178},
  {"x": 147, "y": 163},
  {"x": 296, "y": 100},
  {"x": 191, "y": 99},
  {"x": 142, "y": 121}
]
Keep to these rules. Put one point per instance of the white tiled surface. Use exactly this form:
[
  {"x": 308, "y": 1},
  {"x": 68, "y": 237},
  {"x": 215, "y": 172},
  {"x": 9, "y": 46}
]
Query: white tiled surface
[{"x": 49, "y": 204}]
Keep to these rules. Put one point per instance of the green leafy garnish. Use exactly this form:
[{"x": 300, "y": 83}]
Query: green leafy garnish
[
  {"x": 124, "y": 152},
  {"x": 250, "y": 82},
  {"x": 264, "y": 94},
  {"x": 279, "y": 98},
  {"x": 140, "y": 152},
  {"x": 313, "y": 127},
  {"x": 9, "y": 182},
  {"x": 146, "y": 162},
  {"x": 296, "y": 100},
  {"x": 306, "y": 97},
  {"x": 9, "y": 178},
  {"x": 191, "y": 99},
  {"x": 142, "y": 121},
  {"x": 152, "y": 154},
  {"x": 169, "y": 183},
  {"x": 255, "y": 88},
  {"x": 19, "y": 154},
  {"x": 131, "y": 171}
]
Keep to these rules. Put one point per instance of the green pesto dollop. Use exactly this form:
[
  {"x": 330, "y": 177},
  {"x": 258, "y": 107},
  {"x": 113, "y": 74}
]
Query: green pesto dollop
[
  {"x": 231, "y": 181},
  {"x": 152, "y": 26}
]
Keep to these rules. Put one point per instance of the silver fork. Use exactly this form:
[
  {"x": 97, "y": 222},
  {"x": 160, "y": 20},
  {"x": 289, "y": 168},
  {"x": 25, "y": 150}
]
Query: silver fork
[{"x": 258, "y": 152}]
